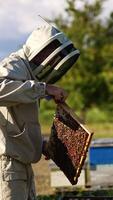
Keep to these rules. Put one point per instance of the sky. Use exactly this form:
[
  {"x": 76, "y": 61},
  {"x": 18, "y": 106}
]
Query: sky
[{"x": 19, "y": 17}]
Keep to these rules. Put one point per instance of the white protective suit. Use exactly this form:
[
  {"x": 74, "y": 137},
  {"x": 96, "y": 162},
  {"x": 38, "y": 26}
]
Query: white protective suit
[{"x": 20, "y": 135}]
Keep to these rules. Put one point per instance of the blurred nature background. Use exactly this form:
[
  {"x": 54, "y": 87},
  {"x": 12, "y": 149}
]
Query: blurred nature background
[{"x": 89, "y": 83}]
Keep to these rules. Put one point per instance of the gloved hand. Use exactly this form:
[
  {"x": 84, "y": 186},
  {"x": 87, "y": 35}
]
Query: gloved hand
[{"x": 57, "y": 93}]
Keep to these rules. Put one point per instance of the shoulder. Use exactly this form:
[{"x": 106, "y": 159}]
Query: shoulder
[{"x": 13, "y": 67}]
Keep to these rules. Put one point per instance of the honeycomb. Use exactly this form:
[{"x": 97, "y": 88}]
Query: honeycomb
[{"x": 68, "y": 143}]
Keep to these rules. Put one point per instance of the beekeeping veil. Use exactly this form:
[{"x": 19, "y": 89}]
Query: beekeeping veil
[{"x": 50, "y": 53}]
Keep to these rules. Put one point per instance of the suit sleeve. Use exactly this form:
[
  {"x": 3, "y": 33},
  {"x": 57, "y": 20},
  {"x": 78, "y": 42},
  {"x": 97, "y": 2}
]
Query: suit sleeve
[{"x": 14, "y": 86}]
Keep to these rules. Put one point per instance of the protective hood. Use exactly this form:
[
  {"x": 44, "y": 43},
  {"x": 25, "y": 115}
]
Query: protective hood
[{"x": 50, "y": 53}]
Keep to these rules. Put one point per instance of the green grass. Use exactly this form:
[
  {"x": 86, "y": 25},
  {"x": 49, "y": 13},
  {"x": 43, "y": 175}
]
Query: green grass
[
  {"x": 79, "y": 193},
  {"x": 101, "y": 130},
  {"x": 96, "y": 121}
]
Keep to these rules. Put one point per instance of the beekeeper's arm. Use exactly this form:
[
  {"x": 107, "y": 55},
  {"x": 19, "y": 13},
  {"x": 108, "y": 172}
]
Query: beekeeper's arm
[{"x": 16, "y": 88}]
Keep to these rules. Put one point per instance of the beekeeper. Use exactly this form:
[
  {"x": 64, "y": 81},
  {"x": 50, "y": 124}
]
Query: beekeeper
[{"x": 25, "y": 77}]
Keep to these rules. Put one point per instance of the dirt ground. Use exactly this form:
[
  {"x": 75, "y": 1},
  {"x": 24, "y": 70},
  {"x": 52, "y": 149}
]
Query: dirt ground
[{"x": 42, "y": 177}]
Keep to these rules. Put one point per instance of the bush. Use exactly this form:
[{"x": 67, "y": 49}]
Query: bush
[
  {"x": 79, "y": 193},
  {"x": 95, "y": 115}
]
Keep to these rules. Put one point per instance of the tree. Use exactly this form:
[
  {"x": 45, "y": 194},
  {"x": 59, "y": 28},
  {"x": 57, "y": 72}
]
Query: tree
[{"x": 89, "y": 82}]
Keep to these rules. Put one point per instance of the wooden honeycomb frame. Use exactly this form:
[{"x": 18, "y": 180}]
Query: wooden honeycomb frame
[{"x": 68, "y": 143}]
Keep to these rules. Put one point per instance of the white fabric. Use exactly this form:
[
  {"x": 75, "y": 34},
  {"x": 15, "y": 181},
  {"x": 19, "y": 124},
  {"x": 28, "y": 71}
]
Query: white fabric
[{"x": 40, "y": 38}]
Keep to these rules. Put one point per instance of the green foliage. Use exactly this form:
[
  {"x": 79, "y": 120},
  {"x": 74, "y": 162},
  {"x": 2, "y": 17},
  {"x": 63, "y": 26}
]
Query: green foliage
[
  {"x": 96, "y": 115},
  {"x": 49, "y": 197},
  {"x": 79, "y": 193},
  {"x": 89, "y": 82}
]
